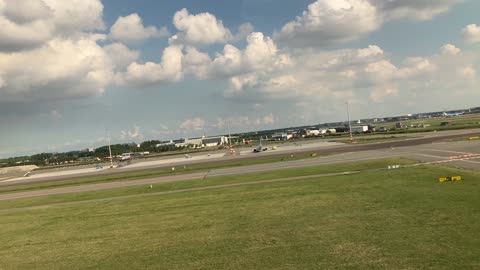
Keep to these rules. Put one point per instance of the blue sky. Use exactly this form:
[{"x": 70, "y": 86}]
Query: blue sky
[{"x": 71, "y": 70}]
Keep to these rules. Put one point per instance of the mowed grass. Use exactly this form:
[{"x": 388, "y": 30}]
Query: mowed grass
[
  {"x": 456, "y": 122},
  {"x": 197, "y": 183},
  {"x": 148, "y": 173},
  {"x": 364, "y": 139},
  {"x": 384, "y": 219}
]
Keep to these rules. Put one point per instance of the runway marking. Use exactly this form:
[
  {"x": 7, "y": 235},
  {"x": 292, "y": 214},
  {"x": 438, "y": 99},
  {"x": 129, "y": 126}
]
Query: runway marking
[
  {"x": 306, "y": 164},
  {"x": 446, "y": 151},
  {"x": 445, "y": 161},
  {"x": 426, "y": 155},
  {"x": 306, "y": 177},
  {"x": 471, "y": 161}
]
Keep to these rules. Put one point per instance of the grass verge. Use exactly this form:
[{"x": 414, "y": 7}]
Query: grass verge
[
  {"x": 163, "y": 187},
  {"x": 390, "y": 219},
  {"x": 150, "y": 173}
]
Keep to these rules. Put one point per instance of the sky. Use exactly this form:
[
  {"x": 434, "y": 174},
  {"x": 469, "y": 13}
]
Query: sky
[{"x": 76, "y": 72}]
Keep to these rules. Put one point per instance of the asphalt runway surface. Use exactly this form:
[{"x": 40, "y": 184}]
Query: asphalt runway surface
[
  {"x": 431, "y": 148},
  {"x": 329, "y": 149}
]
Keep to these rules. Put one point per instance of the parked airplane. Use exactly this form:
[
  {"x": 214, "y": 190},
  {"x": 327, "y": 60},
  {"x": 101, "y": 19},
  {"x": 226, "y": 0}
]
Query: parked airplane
[{"x": 450, "y": 114}]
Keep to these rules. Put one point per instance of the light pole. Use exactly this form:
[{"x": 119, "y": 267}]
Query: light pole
[
  {"x": 349, "y": 126},
  {"x": 232, "y": 151},
  {"x": 110, "y": 150}
]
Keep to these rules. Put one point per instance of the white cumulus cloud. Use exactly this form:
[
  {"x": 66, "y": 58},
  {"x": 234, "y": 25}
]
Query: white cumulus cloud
[
  {"x": 120, "y": 55},
  {"x": 328, "y": 22},
  {"x": 194, "y": 124},
  {"x": 169, "y": 69},
  {"x": 27, "y": 24},
  {"x": 59, "y": 69},
  {"x": 199, "y": 29},
  {"x": 260, "y": 54},
  {"x": 131, "y": 134},
  {"x": 420, "y": 10},
  {"x": 130, "y": 29},
  {"x": 471, "y": 33},
  {"x": 450, "y": 49}
]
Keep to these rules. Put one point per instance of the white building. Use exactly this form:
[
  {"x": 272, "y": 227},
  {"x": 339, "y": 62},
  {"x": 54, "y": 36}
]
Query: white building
[
  {"x": 282, "y": 136},
  {"x": 359, "y": 129},
  {"x": 214, "y": 141}
]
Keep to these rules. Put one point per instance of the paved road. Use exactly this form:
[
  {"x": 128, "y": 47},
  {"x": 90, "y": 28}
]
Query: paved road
[
  {"x": 323, "y": 150},
  {"x": 464, "y": 154}
]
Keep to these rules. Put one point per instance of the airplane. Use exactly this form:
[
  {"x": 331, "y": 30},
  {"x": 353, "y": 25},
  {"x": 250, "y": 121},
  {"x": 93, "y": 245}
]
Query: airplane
[
  {"x": 126, "y": 156},
  {"x": 188, "y": 156},
  {"x": 260, "y": 148},
  {"x": 450, "y": 114}
]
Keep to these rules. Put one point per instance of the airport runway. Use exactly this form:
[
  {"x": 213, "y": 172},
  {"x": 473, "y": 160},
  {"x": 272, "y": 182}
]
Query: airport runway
[
  {"x": 320, "y": 147},
  {"x": 463, "y": 154}
]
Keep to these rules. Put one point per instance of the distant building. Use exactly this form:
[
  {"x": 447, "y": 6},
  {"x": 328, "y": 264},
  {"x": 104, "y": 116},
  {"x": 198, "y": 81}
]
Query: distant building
[
  {"x": 215, "y": 141},
  {"x": 359, "y": 129},
  {"x": 194, "y": 142},
  {"x": 400, "y": 125},
  {"x": 282, "y": 136},
  {"x": 310, "y": 132}
]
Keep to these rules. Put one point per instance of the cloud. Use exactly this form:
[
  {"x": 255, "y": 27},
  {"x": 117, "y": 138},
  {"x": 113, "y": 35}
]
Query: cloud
[
  {"x": 130, "y": 29},
  {"x": 471, "y": 33},
  {"x": 420, "y": 10},
  {"x": 363, "y": 75},
  {"x": 244, "y": 30},
  {"x": 311, "y": 73},
  {"x": 269, "y": 119},
  {"x": 328, "y": 22},
  {"x": 200, "y": 29},
  {"x": 468, "y": 72},
  {"x": 379, "y": 93},
  {"x": 55, "y": 115},
  {"x": 25, "y": 11},
  {"x": 120, "y": 55},
  {"x": 243, "y": 122},
  {"x": 260, "y": 54},
  {"x": 194, "y": 124},
  {"x": 59, "y": 69},
  {"x": 77, "y": 15},
  {"x": 131, "y": 134},
  {"x": 162, "y": 130},
  {"x": 450, "y": 49},
  {"x": 170, "y": 69},
  {"x": 30, "y": 24},
  {"x": 15, "y": 36}
]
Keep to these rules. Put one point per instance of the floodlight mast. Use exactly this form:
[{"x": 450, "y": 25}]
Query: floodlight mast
[
  {"x": 348, "y": 119},
  {"x": 110, "y": 150},
  {"x": 230, "y": 139}
]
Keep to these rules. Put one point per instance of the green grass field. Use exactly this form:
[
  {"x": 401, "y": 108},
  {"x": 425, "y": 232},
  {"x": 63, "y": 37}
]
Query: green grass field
[
  {"x": 456, "y": 122},
  {"x": 364, "y": 139},
  {"x": 152, "y": 173},
  {"x": 379, "y": 219}
]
